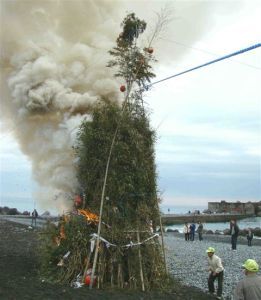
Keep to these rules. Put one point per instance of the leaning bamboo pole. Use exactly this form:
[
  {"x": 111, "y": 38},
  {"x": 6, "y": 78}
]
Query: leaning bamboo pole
[
  {"x": 129, "y": 87},
  {"x": 163, "y": 245},
  {"x": 104, "y": 186},
  {"x": 162, "y": 238}
]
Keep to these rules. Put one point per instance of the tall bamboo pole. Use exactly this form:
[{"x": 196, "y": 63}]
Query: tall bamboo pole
[
  {"x": 140, "y": 262},
  {"x": 101, "y": 209},
  {"x": 162, "y": 239},
  {"x": 163, "y": 246},
  {"x": 104, "y": 188}
]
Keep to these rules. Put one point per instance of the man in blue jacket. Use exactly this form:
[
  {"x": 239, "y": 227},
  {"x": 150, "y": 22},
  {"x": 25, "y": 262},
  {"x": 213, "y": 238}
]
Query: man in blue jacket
[{"x": 192, "y": 231}]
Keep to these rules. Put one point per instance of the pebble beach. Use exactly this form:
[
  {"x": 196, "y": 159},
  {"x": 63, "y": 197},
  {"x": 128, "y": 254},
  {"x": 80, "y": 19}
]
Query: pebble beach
[{"x": 187, "y": 260}]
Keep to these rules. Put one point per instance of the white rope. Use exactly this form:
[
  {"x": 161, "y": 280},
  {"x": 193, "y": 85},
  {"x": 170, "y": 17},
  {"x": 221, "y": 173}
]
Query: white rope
[
  {"x": 108, "y": 244},
  {"x": 131, "y": 244}
]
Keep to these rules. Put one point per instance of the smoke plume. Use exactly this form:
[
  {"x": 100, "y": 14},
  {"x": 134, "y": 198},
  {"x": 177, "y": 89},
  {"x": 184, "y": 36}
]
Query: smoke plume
[{"x": 54, "y": 56}]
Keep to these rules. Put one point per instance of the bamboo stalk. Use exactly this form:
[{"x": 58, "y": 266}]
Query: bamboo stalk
[
  {"x": 112, "y": 270},
  {"x": 140, "y": 262},
  {"x": 86, "y": 267},
  {"x": 129, "y": 269},
  {"x": 163, "y": 245},
  {"x": 118, "y": 275},
  {"x": 103, "y": 190}
]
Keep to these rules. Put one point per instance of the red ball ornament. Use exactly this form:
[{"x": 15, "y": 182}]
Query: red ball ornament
[
  {"x": 122, "y": 88},
  {"x": 87, "y": 280},
  {"x": 150, "y": 50},
  {"x": 77, "y": 200}
]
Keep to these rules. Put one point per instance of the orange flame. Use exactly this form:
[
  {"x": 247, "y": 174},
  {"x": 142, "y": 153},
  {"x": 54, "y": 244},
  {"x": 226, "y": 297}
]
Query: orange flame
[{"x": 91, "y": 217}]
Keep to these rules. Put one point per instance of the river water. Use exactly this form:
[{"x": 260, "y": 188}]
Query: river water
[{"x": 245, "y": 223}]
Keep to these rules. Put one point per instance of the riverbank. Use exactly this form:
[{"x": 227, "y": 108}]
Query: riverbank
[
  {"x": 20, "y": 277},
  {"x": 170, "y": 219}
]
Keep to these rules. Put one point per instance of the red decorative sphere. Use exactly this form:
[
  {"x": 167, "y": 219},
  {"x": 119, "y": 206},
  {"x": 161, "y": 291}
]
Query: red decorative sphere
[
  {"x": 122, "y": 88},
  {"x": 87, "y": 280},
  {"x": 77, "y": 200},
  {"x": 150, "y": 50}
]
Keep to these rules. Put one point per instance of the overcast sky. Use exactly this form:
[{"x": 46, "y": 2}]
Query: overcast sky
[
  {"x": 209, "y": 143},
  {"x": 207, "y": 121}
]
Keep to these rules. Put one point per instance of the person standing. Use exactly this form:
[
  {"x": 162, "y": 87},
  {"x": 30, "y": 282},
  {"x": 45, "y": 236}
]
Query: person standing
[
  {"x": 250, "y": 236},
  {"x": 216, "y": 271},
  {"x": 234, "y": 230},
  {"x": 200, "y": 231},
  {"x": 186, "y": 231},
  {"x": 34, "y": 217},
  {"x": 249, "y": 288},
  {"x": 192, "y": 228}
]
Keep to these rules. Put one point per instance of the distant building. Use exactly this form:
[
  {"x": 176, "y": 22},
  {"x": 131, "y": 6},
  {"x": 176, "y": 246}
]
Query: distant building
[{"x": 247, "y": 208}]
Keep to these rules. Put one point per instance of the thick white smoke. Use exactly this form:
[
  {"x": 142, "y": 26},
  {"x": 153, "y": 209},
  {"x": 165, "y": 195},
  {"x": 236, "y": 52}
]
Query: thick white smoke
[{"x": 54, "y": 56}]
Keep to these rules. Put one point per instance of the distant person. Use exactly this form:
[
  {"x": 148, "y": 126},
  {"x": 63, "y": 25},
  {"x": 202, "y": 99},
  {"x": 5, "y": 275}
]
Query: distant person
[
  {"x": 249, "y": 288},
  {"x": 34, "y": 217},
  {"x": 250, "y": 236},
  {"x": 168, "y": 210},
  {"x": 186, "y": 231},
  {"x": 192, "y": 228},
  {"x": 216, "y": 270},
  {"x": 200, "y": 231},
  {"x": 234, "y": 230}
]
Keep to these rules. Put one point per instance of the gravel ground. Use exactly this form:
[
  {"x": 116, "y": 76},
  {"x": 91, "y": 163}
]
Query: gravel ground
[{"x": 188, "y": 260}]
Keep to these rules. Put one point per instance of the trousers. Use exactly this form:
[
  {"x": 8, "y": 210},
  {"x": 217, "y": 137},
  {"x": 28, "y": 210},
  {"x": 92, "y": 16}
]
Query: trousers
[{"x": 211, "y": 280}]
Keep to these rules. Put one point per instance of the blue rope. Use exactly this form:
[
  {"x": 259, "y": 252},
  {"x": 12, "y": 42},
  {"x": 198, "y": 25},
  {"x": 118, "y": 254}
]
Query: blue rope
[{"x": 208, "y": 63}]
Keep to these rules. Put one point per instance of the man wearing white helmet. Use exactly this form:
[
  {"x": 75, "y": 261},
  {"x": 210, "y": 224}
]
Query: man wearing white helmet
[
  {"x": 216, "y": 270},
  {"x": 250, "y": 287}
]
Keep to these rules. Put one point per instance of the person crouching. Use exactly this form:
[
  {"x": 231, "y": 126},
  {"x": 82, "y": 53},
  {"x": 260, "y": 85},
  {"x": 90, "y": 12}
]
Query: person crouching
[{"x": 216, "y": 270}]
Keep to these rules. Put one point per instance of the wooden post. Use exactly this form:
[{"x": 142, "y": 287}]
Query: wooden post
[{"x": 140, "y": 261}]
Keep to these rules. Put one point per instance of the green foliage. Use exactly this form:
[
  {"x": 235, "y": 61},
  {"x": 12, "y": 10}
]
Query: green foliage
[
  {"x": 132, "y": 177},
  {"x": 132, "y": 62},
  {"x": 53, "y": 248},
  {"x": 132, "y": 28}
]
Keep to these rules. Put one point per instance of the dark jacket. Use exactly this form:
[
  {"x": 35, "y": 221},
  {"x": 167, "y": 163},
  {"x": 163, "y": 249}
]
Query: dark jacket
[
  {"x": 35, "y": 213},
  {"x": 250, "y": 235},
  {"x": 236, "y": 229},
  {"x": 200, "y": 228}
]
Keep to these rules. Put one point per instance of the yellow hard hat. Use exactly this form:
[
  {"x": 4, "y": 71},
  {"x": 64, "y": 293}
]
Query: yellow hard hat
[
  {"x": 251, "y": 265},
  {"x": 210, "y": 250}
]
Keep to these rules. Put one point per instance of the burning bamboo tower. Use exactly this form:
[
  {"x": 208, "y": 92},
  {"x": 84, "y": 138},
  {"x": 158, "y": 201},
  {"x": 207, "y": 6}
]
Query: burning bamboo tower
[{"x": 110, "y": 239}]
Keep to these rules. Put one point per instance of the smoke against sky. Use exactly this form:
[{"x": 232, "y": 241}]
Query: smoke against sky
[{"x": 54, "y": 71}]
